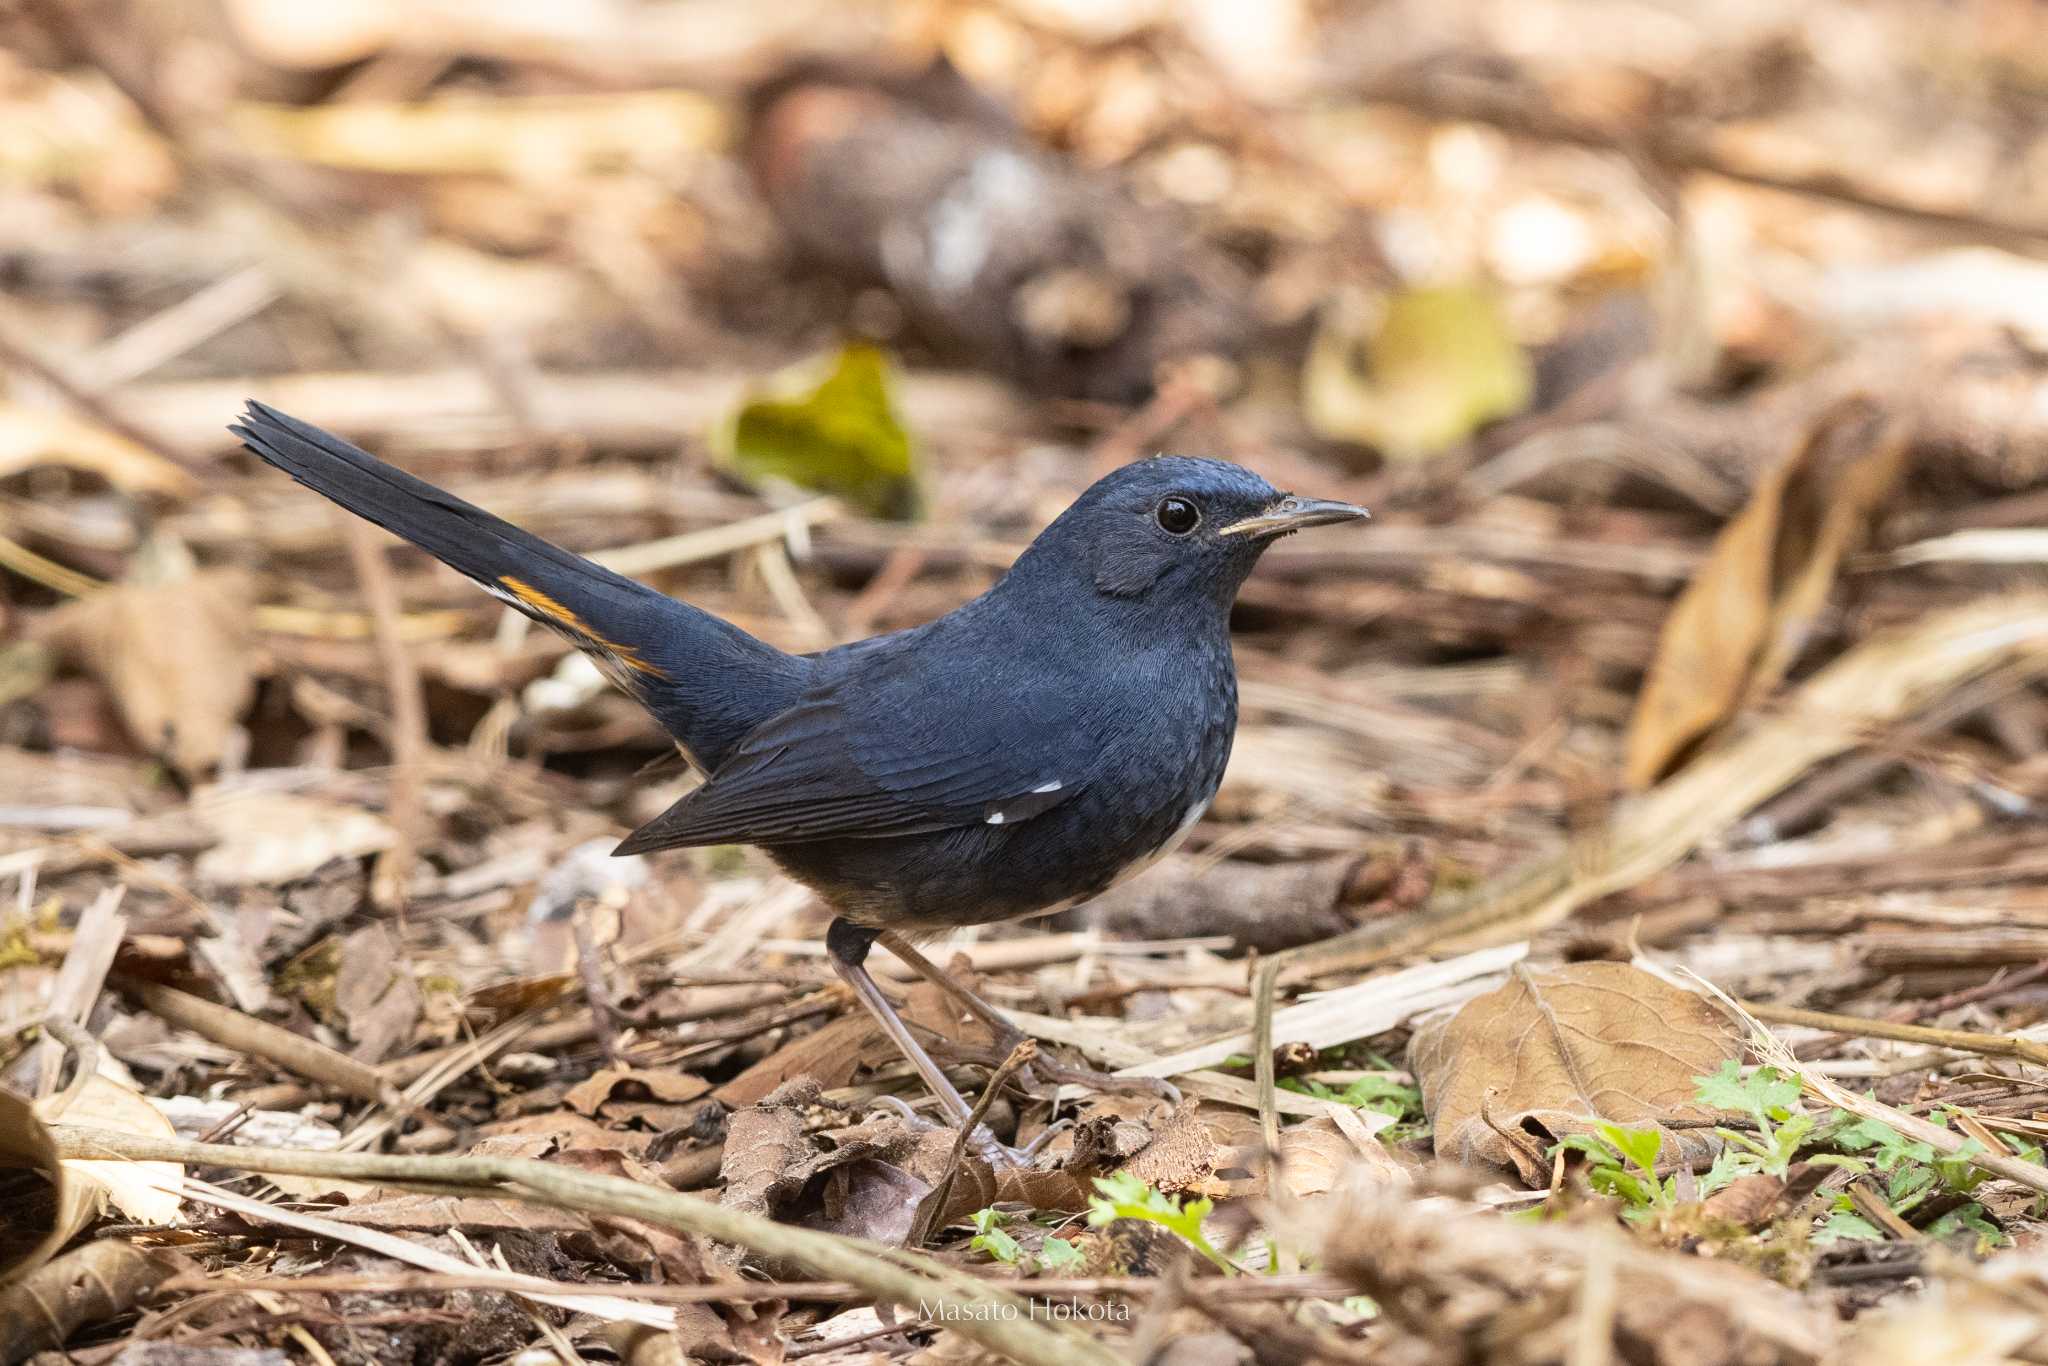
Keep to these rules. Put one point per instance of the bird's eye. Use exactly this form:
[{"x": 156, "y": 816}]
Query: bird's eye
[{"x": 1179, "y": 516}]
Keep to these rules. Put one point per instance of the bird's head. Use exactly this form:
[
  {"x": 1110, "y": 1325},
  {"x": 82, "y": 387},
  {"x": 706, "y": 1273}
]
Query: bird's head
[{"x": 1191, "y": 529}]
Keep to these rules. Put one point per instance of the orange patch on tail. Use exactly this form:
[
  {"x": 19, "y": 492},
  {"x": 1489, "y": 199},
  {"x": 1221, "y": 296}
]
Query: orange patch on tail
[{"x": 543, "y": 605}]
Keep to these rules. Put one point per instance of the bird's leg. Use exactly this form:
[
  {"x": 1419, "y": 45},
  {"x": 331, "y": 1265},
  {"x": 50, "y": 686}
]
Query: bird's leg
[
  {"x": 847, "y": 945},
  {"x": 1008, "y": 1036}
]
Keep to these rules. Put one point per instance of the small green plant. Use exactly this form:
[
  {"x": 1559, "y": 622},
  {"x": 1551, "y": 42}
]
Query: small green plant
[
  {"x": 1059, "y": 1255},
  {"x": 1845, "y": 1224},
  {"x": 1970, "y": 1219},
  {"x": 1054, "y": 1254},
  {"x": 1622, "y": 1163},
  {"x": 990, "y": 1240},
  {"x": 1123, "y": 1196},
  {"x": 1769, "y": 1099},
  {"x": 1387, "y": 1097}
]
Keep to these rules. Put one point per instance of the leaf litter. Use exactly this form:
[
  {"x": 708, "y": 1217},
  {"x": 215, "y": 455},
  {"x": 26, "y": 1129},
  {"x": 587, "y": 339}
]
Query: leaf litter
[{"x": 1642, "y": 813}]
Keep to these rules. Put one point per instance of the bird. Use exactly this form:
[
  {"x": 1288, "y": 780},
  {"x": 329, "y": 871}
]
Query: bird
[{"x": 1015, "y": 757}]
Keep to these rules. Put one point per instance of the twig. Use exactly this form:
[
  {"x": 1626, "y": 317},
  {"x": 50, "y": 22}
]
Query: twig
[
  {"x": 171, "y": 332},
  {"x": 230, "y": 1028},
  {"x": 101, "y": 927},
  {"x": 1308, "y": 1285},
  {"x": 934, "y": 1205},
  {"x": 1263, "y": 987},
  {"x": 85, "y": 1060},
  {"x": 619, "y": 410},
  {"x": 2000, "y": 983},
  {"x": 1599, "y": 1292},
  {"x": 1963, "y": 1040},
  {"x": 408, "y": 732},
  {"x": 596, "y": 993},
  {"x": 995, "y": 1319}
]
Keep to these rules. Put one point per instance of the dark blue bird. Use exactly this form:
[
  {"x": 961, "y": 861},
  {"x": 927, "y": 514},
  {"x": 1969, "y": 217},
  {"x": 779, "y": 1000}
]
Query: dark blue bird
[{"x": 1018, "y": 755}]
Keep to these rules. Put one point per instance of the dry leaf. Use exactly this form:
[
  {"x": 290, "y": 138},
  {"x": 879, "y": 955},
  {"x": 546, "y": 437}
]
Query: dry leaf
[
  {"x": 1742, "y": 620},
  {"x": 586, "y": 1096},
  {"x": 174, "y": 647},
  {"x": 1316, "y": 1158},
  {"x": 1754, "y": 1200},
  {"x": 1554, "y": 1053},
  {"x": 765, "y": 1150},
  {"x": 36, "y": 436},
  {"x": 1183, "y": 1152},
  {"x": 267, "y": 838},
  {"x": 34, "y": 1229},
  {"x": 829, "y": 1055},
  {"x": 147, "y": 1192}
]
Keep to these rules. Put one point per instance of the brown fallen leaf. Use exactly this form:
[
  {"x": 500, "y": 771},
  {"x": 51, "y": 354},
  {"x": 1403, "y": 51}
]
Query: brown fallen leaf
[
  {"x": 1754, "y": 1200},
  {"x": 1743, "y": 619},
  {"x": 586, "y": 1096},
  {"x": 1183, "y": 1152},
  {"x": 829, "y": 1055},
  {"x": 1548, "y": 1054},
  {"x": 75, "y": 1190},
  {"x": 36, "y": 1225},
  {"x": 766, "y": 1150},
  {"x": 1316, "y": 1157},
  {"x": 173, "y": 645}
]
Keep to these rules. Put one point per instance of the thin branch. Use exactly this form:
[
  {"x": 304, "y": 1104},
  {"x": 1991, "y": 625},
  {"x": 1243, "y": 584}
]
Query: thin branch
[{"x": 994, "y": 1319}]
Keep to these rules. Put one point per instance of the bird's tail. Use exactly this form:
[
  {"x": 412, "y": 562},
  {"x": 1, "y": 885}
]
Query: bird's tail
[{"x": 705, "y": 679}]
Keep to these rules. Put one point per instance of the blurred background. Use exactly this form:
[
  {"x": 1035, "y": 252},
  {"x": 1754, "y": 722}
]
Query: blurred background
[{"x": 814, "y": 313}]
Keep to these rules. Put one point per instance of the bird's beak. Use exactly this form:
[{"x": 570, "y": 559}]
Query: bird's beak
[{"x": 1293, "y": 513}]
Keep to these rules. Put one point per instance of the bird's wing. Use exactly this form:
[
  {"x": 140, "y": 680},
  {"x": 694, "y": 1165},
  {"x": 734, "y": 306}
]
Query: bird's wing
[{"x": 844, "y": 762}]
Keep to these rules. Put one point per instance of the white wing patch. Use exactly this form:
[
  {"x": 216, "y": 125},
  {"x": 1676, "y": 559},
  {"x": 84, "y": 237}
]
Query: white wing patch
[{"x": 1000, "y": 817}]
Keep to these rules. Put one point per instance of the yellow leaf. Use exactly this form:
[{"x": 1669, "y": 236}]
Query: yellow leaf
[
  {"x": 1434, "y": 366},
  {"x": 838, "y": 434},
  {"x": 38, "y": 436},
  {"x": 146, "y": 1192}
]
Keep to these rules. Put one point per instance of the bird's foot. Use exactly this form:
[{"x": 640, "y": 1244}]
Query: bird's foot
[{"x": 992, "y": 1150}]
